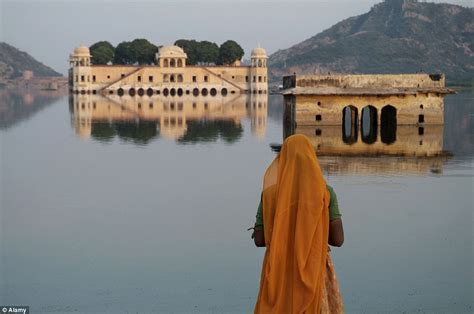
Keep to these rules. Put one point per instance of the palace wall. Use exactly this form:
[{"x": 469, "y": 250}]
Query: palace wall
[
  {"x": 329, "y": 109},
  {"x": 405, "y": 99},
  {"x": 110, "y": 78},
  {"x": 421, "y": 80}
]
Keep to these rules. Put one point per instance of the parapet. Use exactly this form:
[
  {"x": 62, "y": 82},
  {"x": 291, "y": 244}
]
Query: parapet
[{"x": 364, "y": 84}]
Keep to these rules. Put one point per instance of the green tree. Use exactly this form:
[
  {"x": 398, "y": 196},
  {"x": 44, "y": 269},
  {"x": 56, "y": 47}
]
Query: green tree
[
  {"x": 124, "y": 54},
  {"x": 144, "y": 51},
  {"x": 102, "y": 52},
  {"x": 229, "y": 52},
  {"x": 139, "y": 51},
  {"x": 208, "y": 52},
  {"x": 190, "y": 47},
  {"x": 199, "y": 51}
]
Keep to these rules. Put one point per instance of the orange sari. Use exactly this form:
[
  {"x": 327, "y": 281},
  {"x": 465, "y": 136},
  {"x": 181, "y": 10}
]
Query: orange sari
[{"x": 294, "y": 275}]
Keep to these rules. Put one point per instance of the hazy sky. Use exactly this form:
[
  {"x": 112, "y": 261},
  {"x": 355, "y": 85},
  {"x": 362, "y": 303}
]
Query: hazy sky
[{"x": 49, "y": 30}]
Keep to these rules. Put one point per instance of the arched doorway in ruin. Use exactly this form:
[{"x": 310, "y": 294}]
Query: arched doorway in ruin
[
  {"x": 368, "y": 124},
  {"x": 350, "y": 122},
  {"x": 388, "y": 124}
]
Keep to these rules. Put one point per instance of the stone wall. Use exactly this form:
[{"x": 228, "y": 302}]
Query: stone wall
[
  {"x": 426, "y": 108},
  {"x": 372, "y": 81},
  {"x": 405, "y": 99},
  {"x": 108, "y": 79}
]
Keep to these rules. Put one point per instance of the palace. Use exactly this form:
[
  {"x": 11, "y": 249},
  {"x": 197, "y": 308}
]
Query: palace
[
  {"x": 368, "y": 99},
  {"x": 169, "y": 77}
]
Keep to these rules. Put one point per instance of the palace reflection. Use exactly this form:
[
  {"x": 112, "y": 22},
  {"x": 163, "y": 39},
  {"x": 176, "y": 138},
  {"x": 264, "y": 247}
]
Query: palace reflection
[
  {"x": 389, "y": 149},
  {"x": 185, "y": 119}
]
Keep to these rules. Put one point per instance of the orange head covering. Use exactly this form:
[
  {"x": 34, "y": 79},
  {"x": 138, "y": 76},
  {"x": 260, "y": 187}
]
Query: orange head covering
[{"x": 295, "y": 216}]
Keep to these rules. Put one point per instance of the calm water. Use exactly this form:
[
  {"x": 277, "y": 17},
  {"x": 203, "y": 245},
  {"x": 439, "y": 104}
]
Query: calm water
[{"x": 115, "y": 206}]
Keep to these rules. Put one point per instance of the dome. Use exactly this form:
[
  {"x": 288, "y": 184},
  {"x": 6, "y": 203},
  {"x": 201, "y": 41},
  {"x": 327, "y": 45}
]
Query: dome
[
  {"x": 82, "y": 51},
  {"x": 259, "y": 52},
  {"x": 171, "y": 52}
]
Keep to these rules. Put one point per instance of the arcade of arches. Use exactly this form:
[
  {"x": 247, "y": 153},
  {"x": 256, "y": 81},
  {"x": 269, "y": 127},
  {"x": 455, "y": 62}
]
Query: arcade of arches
[
  {"x": 366, "y": 119},
  {"x": 368, "y": 123}
]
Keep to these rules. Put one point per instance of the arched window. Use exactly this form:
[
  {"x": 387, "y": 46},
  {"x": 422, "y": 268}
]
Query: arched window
[
  {"x": 388, "y": 124},
  {"x": 350, "y": 122},
  {"x": 172, "y": 78},
  {"x": 166, "y": 78},
  {"x": 180, "y": 63},
  {"x": 180, "y": 78},
  {"x": 369, "y": 124},
  {"x": 172, "y": 63},
  {"x": 260, "y": 63},
  {"x": 165, "y": 63}
]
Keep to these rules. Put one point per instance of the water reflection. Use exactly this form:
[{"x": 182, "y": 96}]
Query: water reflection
[
  {"x": 185, "y": 119},
  {"x": 397, "y": 149},
  {"x": 20, "y": 105},
  {"x": 87, "y": 229}
]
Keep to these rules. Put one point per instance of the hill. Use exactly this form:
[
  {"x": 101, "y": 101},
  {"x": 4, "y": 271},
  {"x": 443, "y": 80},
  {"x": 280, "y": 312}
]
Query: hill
[
  {"x": 395, "y": 36},
  {"x": 13, "y": 62}
]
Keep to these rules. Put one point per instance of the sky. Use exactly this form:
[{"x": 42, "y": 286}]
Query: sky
[{"x": 49, "y": 30}]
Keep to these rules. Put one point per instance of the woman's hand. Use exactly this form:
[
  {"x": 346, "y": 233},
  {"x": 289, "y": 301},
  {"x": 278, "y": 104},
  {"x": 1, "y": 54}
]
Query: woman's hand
[
  {"x": 336, "y": 232},
  {"x": 258, "y": 237}
]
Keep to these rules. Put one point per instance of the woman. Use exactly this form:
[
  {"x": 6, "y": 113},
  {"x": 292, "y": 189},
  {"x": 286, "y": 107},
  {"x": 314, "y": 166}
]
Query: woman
[{"x": 297, "y": 272}]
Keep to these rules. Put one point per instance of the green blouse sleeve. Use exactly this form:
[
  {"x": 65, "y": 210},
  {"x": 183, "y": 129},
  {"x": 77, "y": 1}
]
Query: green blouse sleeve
[
  {"x": 259, "y": 220},
  {"x": 334, "y": 212}
]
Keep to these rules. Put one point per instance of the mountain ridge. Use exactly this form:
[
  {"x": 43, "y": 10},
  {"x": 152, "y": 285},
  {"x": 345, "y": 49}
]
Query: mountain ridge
[
  {"x": 14, "y": 61},
  {"x": 395, "y": 36}
]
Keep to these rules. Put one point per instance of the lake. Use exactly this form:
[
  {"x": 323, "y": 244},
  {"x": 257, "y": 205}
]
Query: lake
[{"x": 113, "y": 205}]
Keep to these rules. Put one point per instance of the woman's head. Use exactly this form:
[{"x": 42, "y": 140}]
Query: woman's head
[{"x": 297, "y": 146}]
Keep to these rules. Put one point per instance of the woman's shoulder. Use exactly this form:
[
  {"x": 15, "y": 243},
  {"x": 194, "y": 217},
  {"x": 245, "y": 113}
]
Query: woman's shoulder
[{"x": 330, "y": 188}]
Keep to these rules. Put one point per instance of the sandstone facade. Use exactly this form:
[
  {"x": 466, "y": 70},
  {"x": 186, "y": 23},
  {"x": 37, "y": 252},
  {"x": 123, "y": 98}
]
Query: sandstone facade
[
  {"x": 169, "y": 77},
  {"x": 404, "y": 99}
]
